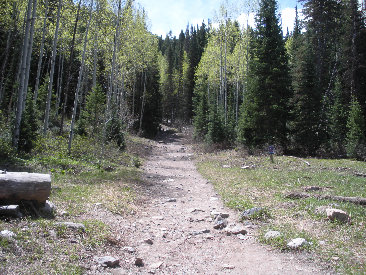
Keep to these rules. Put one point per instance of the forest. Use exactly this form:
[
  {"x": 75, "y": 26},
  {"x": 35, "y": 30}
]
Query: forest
[{"x": 93, "y": 69}]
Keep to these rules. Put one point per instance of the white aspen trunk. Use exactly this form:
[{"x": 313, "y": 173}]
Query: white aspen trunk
[
  {"x": 143, "y": 103},
  {"x": 69, "y": 74},
  {"x": 53, "y": 61},
  {"x": 225, "y": 75},
  {"x": 133, "y": 93},
  {"x": 59, "y": 82},
  {"x": 29, "y": 57},
  {"x": 237, "y": 102},
  {"x": 22, "y": 76},
  {"x": 73, "y": 118},
  {"x": 95, "y": 51},
  {"x": 41, "y": 53},
  {"x": 2, "y": 77},
  {"x": 111, "y": 78}
]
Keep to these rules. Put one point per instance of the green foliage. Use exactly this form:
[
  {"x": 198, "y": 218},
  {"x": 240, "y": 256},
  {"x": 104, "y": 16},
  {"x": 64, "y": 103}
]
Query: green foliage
[
  {"x": 28, "y": 127},
  {"x": 6, "y": 149},
  {"x": 265, "y": 106},
  {"x": 306, "y": 101},
  {"x": 114, "y": 132},
  {"x": 355, "y": 146},
  {"x": 338, "y": 121},
  {"x": 215, "y": 127}
]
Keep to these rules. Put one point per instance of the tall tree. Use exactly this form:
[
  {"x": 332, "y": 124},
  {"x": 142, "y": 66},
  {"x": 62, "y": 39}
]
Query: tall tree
[{"x": 265, "y": 108}]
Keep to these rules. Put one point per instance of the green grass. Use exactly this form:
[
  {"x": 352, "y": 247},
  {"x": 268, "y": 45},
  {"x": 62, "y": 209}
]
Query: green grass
[
  {"x": 79, "y": 182},
  {"x": 266, "y": 185}
]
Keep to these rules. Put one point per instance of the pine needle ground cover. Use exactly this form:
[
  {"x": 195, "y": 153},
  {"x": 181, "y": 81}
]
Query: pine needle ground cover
[
  {"x": 253, "y": 181},
  {"x": 88, "y": 188}
]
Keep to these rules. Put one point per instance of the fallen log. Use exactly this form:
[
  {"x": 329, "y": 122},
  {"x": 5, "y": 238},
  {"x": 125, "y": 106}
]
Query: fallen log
[
  {"x": 21, "y": 186},
  {"x": 355, "y": 200}
]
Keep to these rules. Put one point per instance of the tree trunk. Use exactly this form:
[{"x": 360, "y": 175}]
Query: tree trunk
[
  {"x": 59, "y": 82},
  {"x": 73, "y": 119},
  {"x": 143, "y": 103},
  {"x": 39, "y": 68},
  {"x": 69, "y": 74},
  {"x": 22, "y": 76},
  {"x": 16, "y": 187},
  {"x": 53, "y": 61}
]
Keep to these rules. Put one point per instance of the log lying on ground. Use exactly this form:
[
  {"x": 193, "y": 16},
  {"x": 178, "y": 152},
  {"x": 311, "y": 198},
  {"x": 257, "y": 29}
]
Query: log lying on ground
[
  {"x": 20, "y": 186},
  {"x": 355, "y": 200}
]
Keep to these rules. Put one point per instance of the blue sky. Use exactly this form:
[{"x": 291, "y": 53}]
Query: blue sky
[{"x": 166, "y": 15}]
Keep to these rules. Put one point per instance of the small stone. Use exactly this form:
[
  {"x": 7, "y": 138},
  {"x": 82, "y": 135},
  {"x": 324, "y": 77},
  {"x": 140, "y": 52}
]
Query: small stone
[
  {"x": 220, "y": 222},
  {"x": 52, "y": 234},
  {"x": 148, "y": 241},
  {"x": 195, "y": 210},
  {"x": 297, "y": 243},
  {"x": 7, "y": 234},
  {"x": 64, "y": 213},
  {"x": 215, "y": 213},
  {"x": 226, "y": 166},
  {"x": 139, "y": 262},
  {"x": 156, "y": 265},
  {"x": 247, "y": 214},
  {"x": 242, "y": 237},
  {"x": 48, "y": 210},
  {"x": 11, "y": 211},
  {"x": 234, "y": 229},
  {"x": 129, "y": 249},
  {"x": 107, "y": 261},
  {"x": 171, "y": 200},
  {"x": 158, "y": 218},
  {"x": 272, "y": 235},
  {"x": 337, "y": 214},
  {"x": 227, "y": 266}
]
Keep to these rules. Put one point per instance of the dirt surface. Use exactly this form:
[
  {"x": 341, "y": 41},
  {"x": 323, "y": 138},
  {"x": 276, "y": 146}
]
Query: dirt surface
[{"x": 173, "y": 233}]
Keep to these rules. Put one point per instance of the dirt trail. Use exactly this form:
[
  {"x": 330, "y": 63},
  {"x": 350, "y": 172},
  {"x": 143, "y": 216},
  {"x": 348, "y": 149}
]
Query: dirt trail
[{"x": 176, "y": 221}]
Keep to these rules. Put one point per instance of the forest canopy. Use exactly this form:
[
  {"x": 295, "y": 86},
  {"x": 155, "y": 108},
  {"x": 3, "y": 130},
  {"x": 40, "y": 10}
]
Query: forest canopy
[{"x": 92, "y": 68}]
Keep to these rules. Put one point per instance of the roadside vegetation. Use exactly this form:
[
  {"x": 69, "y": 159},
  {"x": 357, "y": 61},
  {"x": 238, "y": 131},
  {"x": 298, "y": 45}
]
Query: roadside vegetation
[
  {"x": 254, "y": 181},
  {"x": 89, "y": 187}
]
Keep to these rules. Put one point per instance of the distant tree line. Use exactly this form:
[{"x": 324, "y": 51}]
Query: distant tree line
[
  {"x": 92, "y": 68},
  {"x": 304, "y": 91}
]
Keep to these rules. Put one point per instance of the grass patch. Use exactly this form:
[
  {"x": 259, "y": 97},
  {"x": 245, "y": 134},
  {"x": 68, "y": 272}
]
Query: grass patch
[
  {"x": 90, "y": 180},
  {"x": 246, "y": 182}
]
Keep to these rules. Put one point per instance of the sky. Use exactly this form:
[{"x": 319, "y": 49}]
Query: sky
[{"x": 168, "y": 15}]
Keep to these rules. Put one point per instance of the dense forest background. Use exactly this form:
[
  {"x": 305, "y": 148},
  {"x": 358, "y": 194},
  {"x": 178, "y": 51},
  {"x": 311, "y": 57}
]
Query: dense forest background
[{"x": 92, "y": 69}]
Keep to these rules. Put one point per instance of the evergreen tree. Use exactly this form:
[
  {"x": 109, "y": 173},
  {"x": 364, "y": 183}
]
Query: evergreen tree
[
  {"x": 355, "y": 143},
  {"x": 265, "y": 108}
]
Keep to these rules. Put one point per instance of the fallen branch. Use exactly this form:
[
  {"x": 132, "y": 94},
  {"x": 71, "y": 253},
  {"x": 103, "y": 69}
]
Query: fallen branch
[
  {"x": 360, "y": 175},
  {"x": 304, "y": 161},
  {"x": 355, "y": 200}
]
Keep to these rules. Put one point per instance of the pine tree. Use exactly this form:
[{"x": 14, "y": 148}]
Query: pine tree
[
  {"x": 355, "y": 142},
  {"x": 265, "y": 111}
]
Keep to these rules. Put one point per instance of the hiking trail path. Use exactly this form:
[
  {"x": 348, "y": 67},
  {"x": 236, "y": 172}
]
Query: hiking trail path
[{"x": 173, "y": 231}]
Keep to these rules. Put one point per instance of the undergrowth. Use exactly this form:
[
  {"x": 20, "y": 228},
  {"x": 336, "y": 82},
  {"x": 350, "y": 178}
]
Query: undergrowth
[{"x": 245, "y": 182}]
